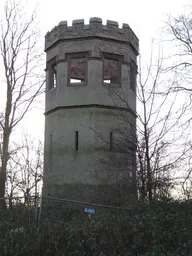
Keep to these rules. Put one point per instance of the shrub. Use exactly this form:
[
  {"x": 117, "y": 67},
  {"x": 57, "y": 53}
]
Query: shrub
[{"x": 157, "y": 229}]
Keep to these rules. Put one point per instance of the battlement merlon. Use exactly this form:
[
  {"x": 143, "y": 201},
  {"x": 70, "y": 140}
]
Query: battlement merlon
[{"x": 95, "y": 28}]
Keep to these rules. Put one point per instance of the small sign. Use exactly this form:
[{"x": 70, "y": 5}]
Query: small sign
[{"x": 89, "y": 210}]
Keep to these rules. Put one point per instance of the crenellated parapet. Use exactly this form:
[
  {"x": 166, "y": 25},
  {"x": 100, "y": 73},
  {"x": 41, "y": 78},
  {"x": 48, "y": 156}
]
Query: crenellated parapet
[{"x": 95, "y": 29}]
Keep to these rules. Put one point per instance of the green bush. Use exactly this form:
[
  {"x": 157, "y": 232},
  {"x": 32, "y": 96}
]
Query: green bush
[{"x": 157, "y": 229}]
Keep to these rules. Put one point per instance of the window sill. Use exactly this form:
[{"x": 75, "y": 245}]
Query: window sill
[{"x": 77, "y": 84}]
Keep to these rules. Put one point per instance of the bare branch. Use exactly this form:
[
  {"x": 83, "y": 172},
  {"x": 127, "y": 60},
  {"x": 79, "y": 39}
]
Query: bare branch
[{"x": 21, "y": 60}]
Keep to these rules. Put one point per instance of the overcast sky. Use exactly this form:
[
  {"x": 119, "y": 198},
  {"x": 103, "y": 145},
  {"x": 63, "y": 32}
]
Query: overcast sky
[{"x": 146, "y": 18}]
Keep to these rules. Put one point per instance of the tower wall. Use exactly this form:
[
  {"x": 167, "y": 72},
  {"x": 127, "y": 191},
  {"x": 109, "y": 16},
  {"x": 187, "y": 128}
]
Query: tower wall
[{"x": 92, "y": 108}]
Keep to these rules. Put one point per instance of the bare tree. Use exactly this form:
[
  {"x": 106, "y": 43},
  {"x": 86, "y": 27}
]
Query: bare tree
[
  {"x": 25, "y": 170},
  {"x": 178, "y": 34},
  {"x": 114, "y": 173},
  {"x": 159, "y": 131},
  {"x": 23, "y": 82},
  {"x": 161, "y": 143},
  {"x": 179, "y": 30}
]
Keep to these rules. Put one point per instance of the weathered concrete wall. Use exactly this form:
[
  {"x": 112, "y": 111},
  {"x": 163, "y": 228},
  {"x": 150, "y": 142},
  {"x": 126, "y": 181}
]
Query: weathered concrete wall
[
  {"x": 91, "y": 164},
  {"x": 95, "y": 92},
  {"x": 92, "y": 111}
]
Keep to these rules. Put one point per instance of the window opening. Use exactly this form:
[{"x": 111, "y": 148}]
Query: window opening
[
  {"x": 76, "y": 140},
  {"x": 111, "y": 141},
  {"x": 72, "y": 81},
  {"x": 107, "y": 81},
  {"x": 77, "y": 70},
  {"x": 54, "y": 77},
  {"x": 111, "y": 70},
  {"x": 52, "y": 74}
]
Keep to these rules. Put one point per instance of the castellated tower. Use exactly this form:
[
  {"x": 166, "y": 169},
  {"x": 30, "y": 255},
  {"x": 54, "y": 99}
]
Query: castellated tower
[{"x": 90, "y": 111}]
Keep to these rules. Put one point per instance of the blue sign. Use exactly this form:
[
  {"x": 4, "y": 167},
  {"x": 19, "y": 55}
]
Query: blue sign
[{"x": 89, "y": 210}]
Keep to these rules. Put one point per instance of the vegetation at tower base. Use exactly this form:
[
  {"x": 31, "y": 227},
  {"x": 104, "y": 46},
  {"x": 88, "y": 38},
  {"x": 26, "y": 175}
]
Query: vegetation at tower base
[{"x": 143, "y": 230}]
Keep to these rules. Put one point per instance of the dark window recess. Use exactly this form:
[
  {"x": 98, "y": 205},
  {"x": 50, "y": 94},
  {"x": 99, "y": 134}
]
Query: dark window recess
[
  {"x": 52, "y": 74},
  {"x": 133, "y": 77},
  {"x": 111, "y": 141},
  {"x": 111, "y": 70},
  {"x": 77, "y": 70},
  {"x": 76, "y": 140}
]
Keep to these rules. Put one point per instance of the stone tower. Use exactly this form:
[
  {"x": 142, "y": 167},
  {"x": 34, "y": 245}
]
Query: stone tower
[{"x": 90, "y": 83}]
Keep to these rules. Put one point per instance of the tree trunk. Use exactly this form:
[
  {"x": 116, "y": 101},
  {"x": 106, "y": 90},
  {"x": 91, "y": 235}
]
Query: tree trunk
[
  {"x": 5, "y": 147},
  {"x": 5, "y": 158}
]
